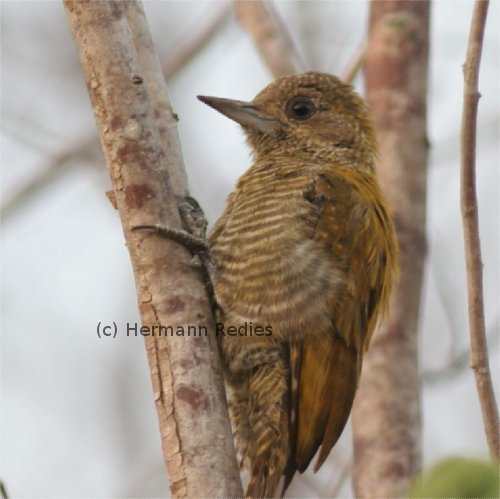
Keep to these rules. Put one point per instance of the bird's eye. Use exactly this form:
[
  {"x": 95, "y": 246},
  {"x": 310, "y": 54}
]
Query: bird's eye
[{"x": 300, "y": 108}]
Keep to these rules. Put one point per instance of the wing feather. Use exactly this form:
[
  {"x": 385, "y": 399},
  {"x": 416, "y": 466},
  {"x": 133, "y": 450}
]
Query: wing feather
[{"x": 359, "y": 236}]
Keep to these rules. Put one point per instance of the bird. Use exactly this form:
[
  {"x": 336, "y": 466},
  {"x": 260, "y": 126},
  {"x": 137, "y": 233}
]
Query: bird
[{"x": 305, "y": 254}]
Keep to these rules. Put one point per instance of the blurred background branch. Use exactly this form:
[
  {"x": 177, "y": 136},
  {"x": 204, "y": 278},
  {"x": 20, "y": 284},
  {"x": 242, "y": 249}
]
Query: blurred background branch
[
  {"x": 87, "y": 152},
  {"x": 386, "y": 415},
  {"x": 459, "y": 361},
  {"x": 355, "y": 64},
  {"x": 199, "y": 37},
  {"x": 272, "y": 42}
]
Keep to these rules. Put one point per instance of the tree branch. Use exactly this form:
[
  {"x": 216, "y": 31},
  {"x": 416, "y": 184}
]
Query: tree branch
[
  {"x": 275, "y": 48},
  {"x": 386, "y": 414},
  {"x": 468, "y": 205},
  {"x": 129, "y": 100},
  {"x": 200, "y": 36},
  {"x": 333, "y": 489},
  {"x": 87, "y": 150},
  {"x": 459, "y": 361},
  {"x": 355, "y": 64},
  {"x": 186, "y": 50}
]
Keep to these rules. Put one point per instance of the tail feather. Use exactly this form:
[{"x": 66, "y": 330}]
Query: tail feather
[
  {"x": 268, "y": 391},
  {"x": 286, "y": 411},
  {"x": 294, "y": 384}
]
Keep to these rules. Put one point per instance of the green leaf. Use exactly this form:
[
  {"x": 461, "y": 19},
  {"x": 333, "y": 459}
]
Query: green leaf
[{"x": 458, "y": 477}]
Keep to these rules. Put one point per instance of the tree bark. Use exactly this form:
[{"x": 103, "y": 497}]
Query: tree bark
[
  {"x": 386, "y": 415},
  {"x": 138, "y": 134}
]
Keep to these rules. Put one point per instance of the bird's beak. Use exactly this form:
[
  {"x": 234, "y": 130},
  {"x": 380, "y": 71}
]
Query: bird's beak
[{"x": 244, "y": 113}]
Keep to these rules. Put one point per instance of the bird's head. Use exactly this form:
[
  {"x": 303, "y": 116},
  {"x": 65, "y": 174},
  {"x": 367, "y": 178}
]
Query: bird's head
[{"x": 312, "y": 114}]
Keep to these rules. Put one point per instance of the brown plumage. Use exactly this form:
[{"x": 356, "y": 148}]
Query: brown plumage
[{"x": 305, "y": 246}]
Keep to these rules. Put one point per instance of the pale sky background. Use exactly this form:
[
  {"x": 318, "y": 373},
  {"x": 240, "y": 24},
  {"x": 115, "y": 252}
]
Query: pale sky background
[{"x": 77, "y": 413}]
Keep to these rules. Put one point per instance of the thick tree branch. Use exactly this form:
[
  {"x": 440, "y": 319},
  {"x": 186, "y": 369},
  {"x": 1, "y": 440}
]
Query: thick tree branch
[
  {"x": 184, "y": 53},
  {"x": 130, "y": 105},
  {"x": 468, "y": 205},
  {"x": 386, "y": 415},
  {"x": 275, "y": 48}
]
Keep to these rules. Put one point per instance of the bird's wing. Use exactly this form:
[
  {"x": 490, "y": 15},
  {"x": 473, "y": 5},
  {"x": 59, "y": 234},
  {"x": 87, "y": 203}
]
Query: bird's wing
[
  {"x": 327, "y": 385},
  {"x": 330, "y": 361}
]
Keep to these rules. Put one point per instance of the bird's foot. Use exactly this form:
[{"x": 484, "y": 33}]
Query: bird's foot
[
  {"x": 195, "y": 245},
  {"x": 194, "y": 221},
  {"x": 192, "y": 238}
]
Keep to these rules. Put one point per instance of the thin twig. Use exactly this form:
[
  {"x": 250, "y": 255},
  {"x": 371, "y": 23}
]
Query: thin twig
[
  {"x": 28, "y": 132},
  {"x": 300, "y": 63},
  {"x": 333, "y": 489},
  {"x": 274, "y": 47},
  {"x": 469, "y": 209},
  {"x": 86, "y": 151},
  {"x": 355, "y": 64},
  {"x": 459, "y": 360},
  {"x": 186, "y": 49}
]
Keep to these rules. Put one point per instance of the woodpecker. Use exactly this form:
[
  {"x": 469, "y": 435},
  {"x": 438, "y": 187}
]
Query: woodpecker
[{"x": 305, "y": 253}]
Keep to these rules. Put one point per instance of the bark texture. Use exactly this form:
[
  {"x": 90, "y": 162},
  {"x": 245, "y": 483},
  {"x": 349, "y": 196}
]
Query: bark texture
[
  {"x": 386, "y": 415},
  {"x": 138, "y": 134}
]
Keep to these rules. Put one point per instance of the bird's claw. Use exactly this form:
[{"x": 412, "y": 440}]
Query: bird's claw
[
  {"x": 193, "y": 243},
  {"x": 193, "y": 237},
  {"x": 195, "y": 224}
]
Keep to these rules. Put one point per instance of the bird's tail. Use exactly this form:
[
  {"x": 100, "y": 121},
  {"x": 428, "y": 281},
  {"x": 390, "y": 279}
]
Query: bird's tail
[{"x": 267, "y": 452}]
